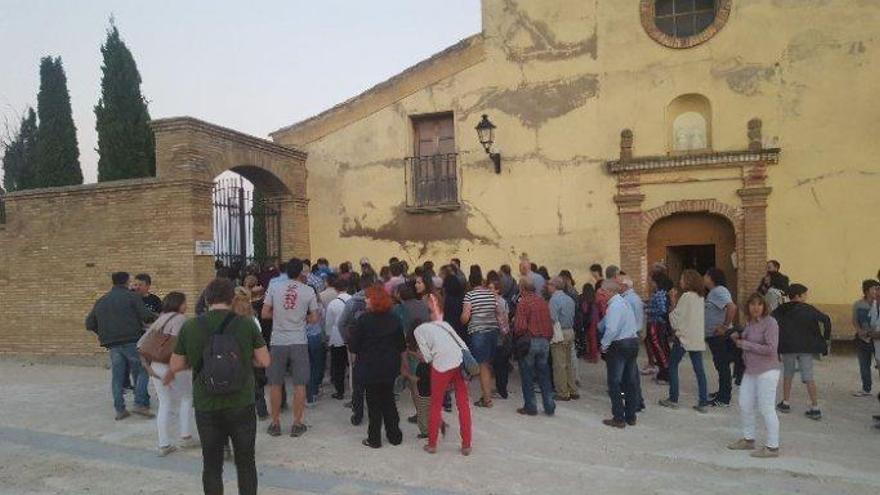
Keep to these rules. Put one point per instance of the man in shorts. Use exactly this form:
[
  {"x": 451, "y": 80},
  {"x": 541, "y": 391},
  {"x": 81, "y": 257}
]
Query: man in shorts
[
  {"x": 799, "y": 340},
  {"x": 290, "y": 305}
]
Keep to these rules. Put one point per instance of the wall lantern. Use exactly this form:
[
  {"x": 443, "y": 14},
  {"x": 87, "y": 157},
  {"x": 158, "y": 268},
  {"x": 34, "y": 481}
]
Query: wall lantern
[{"x": 486, "y": 133}]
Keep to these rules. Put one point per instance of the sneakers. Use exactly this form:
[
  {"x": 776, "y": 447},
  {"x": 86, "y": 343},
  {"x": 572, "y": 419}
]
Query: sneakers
[
  {"x": 526, "y": 412},
  {"x": 783, "y": 407},
  {"x": 742, "y": 444},
  {"x": 718, "y": 403},
  {"x": 814, "y": 414},
  {"x": 701, "y": 409},
  {"x": 143, "y": 411},
  {"x": 668, "y": 403},
  {"x": 765, "y": 453},
  {"x": 120, "y": 415},
  {"x": 298, "y": 430},
  {"x": 861, "y": 393},
  {"x": 274, "y": 430},
  {"x": 163, "y": 451}
]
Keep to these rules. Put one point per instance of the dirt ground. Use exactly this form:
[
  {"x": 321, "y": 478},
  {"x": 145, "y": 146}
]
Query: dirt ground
[{"x": 57, "y": 435}]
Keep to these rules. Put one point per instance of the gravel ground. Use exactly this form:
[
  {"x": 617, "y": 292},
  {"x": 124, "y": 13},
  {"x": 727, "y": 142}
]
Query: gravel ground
[{"x": 58, "y": 436}]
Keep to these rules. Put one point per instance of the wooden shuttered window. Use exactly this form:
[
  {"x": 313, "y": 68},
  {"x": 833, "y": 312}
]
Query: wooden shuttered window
[{"x": 432, "y": 171}]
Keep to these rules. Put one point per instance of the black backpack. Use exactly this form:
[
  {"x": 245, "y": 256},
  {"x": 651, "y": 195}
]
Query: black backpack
[{"x": 220, "y": 370}]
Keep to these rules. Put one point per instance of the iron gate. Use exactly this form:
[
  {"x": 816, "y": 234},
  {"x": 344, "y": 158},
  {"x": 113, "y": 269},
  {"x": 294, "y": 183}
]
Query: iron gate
[{"x": 247, "y": 227}]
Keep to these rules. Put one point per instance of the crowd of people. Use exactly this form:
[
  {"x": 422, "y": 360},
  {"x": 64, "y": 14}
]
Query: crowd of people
[{"x": 427, "y": 332}]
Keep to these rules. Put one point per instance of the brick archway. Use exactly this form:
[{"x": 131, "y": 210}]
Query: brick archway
[
  {"x": 732, "y": 214},
  {"x": 198, "y": 151}
]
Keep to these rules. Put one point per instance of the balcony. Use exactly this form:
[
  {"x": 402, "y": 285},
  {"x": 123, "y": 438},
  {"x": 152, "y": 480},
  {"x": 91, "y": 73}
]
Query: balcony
[{"x": 432, "y": 183}]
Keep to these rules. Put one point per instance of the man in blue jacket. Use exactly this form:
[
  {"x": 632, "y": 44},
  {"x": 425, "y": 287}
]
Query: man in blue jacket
[{"x": 118, "y": 319}]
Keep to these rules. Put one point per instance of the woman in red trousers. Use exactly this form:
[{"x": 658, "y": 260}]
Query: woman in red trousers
[{"x": 441, "y": 347}]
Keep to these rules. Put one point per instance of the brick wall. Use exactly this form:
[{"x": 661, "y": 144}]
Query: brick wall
[{"x": 60, "y": 245}]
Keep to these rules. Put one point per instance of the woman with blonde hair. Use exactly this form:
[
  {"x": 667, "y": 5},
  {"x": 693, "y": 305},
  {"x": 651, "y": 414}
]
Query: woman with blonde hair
[{"x": 686, "y": 320}]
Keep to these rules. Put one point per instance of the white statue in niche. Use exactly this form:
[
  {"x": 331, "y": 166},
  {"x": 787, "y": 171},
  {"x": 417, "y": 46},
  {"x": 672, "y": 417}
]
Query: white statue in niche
[{"x": 689, "y": 131}]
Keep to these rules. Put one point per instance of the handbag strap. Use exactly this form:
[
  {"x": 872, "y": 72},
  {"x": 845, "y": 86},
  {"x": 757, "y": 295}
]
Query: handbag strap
[
  {"x": 454, "y": 337},
  {"x": 161, "y": 329}
]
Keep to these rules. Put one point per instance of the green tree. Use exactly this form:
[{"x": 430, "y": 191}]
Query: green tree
[
  {"x": 57, "y": 154},
  {"x": 18, "y": 155},
  {"x": 126, "y": 148}
]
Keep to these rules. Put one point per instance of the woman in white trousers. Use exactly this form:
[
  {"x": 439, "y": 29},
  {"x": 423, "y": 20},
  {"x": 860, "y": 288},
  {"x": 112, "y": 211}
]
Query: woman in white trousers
[
  {"x": 759, "y": 342},
  {"x": 179, "y": 391}
]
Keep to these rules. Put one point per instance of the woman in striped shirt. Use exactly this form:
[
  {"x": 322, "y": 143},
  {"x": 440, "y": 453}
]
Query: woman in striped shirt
[{"x": 480, "y": 313}]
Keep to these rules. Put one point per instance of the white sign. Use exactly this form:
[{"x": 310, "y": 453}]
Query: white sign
[{"x": 204, "y": 248}]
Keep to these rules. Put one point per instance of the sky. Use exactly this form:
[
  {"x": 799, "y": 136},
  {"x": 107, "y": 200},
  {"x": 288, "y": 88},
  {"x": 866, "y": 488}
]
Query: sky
[{"x": 251, "y": 66}]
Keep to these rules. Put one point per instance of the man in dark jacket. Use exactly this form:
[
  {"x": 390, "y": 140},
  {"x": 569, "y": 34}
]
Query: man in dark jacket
[
  {"x": 799, "y": 340},
  {"x": 118, "y": 319},
  {"x": 354, "y": 308}
]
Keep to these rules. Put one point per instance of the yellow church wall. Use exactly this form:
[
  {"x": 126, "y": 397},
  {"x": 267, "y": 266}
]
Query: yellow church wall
[{"x": 561, "y": 79}]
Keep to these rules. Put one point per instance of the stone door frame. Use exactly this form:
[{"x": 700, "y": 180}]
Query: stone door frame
[{"x": 749, "y": 218}]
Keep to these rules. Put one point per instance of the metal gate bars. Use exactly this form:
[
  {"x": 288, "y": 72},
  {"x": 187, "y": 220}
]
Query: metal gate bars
[{"x": 247, "y": 227}]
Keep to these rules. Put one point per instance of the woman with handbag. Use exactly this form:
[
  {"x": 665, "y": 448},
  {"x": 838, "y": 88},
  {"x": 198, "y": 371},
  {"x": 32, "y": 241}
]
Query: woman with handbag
[
  {"x": 444, "y": 350},
  {"x": 152, "y": 347},
  {"x": 687, "y": 320}
]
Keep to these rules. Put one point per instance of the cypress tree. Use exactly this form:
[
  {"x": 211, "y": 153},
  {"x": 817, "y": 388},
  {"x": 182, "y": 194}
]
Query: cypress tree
[
  {"x": 57, "y": 154},
  {"x": 126, "y": 148},
  {"x": 18, "y": 157}
]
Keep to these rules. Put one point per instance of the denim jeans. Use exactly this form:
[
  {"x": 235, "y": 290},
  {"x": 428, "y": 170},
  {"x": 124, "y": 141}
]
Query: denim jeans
[
  {"x": 124, "y": 357},
  {"x": 317, "y": 362},
  {"x": 623, "y": 376},
  {"x": 866, "y": 360},
  {"x": 215, "y": 429},
  {"x": 534, "y": 367},
  {"x": 722, "y": 358},
  {"x": 675, "y": 357}
]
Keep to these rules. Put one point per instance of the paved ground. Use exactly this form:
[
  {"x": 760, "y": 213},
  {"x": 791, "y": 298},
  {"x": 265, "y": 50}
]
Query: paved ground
[{"x": 57, "y": 435}]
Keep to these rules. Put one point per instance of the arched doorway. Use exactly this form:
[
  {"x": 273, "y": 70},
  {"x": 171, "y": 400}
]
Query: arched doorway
[
  {"x": 193, "y": 153},
  {"x": 247, "y": 225},
  {"x": 694, "y": 240}
]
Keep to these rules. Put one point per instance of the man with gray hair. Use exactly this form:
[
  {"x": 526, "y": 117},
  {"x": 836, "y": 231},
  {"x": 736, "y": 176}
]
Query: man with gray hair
[
  {"x": 562, "y": 310},
  {"x": 620, "y": 343},
  {"x": 637, "y": 306},
  {"x": 532, "y": 324},
  {"x": 525, "y": 269}
]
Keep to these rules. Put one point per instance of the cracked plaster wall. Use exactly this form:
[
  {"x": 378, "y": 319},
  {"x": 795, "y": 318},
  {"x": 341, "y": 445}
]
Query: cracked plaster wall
[{"x": 561, "y": 79}]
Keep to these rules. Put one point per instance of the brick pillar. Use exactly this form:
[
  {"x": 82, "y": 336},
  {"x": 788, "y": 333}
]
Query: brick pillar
[
  {"x": 633, "y": 239},
  {"x": 754, "y": 252},
  {"x": 294, "y": 227}
]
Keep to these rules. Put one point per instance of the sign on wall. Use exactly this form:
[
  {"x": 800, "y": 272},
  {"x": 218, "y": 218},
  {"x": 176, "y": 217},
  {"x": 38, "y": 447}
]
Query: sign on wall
[{"x": 204, "y": 248}]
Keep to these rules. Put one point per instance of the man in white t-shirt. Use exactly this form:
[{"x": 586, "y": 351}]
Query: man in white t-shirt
[
  {"x": 338, "y": 349},
  {"x": 290, "y": 305}
]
